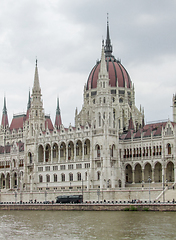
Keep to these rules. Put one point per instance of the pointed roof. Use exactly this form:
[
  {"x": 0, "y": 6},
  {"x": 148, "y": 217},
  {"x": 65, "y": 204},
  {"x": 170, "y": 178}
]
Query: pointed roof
[
  {"x": 108, "y": 46},
  {"x": 131, "y": 125},
  {"x": 103, "y": 69},
  {"x": 48, "y": 123},
  {"x": 36, "y": 87},
  {"x": 4, "y": 121},
  {"x": 129, "y": 134},
  {"x": 58, "y": 120},
  {"x": 17, "y": 121}
]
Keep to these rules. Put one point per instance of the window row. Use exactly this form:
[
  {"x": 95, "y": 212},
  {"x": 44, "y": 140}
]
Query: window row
[
  {"x": 139, "y": 152},
  {"x": 71, "y": 177},
  {"x": 64, "y": 167}
]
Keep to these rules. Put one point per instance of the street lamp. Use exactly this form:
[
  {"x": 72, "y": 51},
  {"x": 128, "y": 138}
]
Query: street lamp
[{"x": 149, "y": 180}]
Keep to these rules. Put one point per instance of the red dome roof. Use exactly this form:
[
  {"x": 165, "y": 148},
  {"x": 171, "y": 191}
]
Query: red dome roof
[{"x": 118, "y": 75}]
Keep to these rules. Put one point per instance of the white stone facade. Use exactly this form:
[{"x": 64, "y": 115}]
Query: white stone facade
[{"x": 108, "y": 148}]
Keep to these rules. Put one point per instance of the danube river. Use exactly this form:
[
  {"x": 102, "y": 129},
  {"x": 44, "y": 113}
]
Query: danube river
[{"x": 87, "y": 225}]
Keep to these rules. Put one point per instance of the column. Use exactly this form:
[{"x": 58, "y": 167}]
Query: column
[
  {"x": 66, "y": 152},
  {"x": 174, "y": 173},
  {"x": 153, "y": 175},
  {"x": 163, "y": 174},
  {"x": 143, "y": 174},
  {"x": 83, "y": 152},
  {"x": 74, "y": 153},
  {"x": 133, "y": 176},
  {"x": 10, "y": 181},
  {"x": 51, "y": 155},
  {"x": 58, "y": 154},
  {"x": 44, "y": 160}
]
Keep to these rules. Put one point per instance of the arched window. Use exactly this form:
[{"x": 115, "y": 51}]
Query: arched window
[
  {"x": 40, "y": 178},
  {"x": 168, "y": 149},
  {"x": 63, "y": 177},
  {"x": 30, "y": 157},
  {"x": 70, "y": 177},
  {"x": 47, "y": 153},
  {"x": 114, "y": 118},
  {"x": 77, "y": 149},
  {"x": 98, "y": 151},
  {"x": 112, "y": 150},
  {"x": 104, "y": 100},
  {"x": 98, "y": 175},
  {"x": 40, "y": 153},
  {"x": 99, "y": 118},
  {"x": 79, "y": 176},
  {"x": 55, "y": 177},
  {"x": 55, "y": 150},
  {"x": 85, "y": 148},
  {"x": 47, "y": 178},
  {"x": 62, "y": 149}
]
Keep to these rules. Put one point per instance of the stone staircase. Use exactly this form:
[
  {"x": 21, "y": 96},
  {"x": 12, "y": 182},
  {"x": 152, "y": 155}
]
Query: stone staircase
[{"x": 168, "y": 194}]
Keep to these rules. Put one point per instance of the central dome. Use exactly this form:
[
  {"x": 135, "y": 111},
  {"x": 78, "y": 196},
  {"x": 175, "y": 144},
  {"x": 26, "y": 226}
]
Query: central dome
[{"x": 118, "y": 75}]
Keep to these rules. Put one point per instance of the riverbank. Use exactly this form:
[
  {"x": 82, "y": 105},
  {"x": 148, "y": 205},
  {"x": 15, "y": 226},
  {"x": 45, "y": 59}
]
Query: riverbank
[{"x": 163, "y": 207}]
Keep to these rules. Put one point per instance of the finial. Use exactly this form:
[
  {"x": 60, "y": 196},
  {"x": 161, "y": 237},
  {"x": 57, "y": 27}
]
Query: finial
[
  {"x": 107, "y": 18},
  {"x": 102, "y": 42},
  {"x": 36, "y": 61}
]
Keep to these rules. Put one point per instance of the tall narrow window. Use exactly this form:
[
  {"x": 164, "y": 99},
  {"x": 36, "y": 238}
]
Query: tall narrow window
[{"x": 99, "y": 119}]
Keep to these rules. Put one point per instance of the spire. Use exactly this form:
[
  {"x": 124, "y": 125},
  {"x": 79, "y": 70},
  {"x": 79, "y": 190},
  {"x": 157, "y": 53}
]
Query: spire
[
  {"x": 108, "y": 46},
  {"x": 36, "y": 91},
  {"x": 4, "y": 122},
  {"x": 103, "y": 69},
  {"x": 29, "y": 101},
  {"x": 58, "y": 121},
  {"x": 4, "y": 108},
  {"x": 36, "y": 86}
]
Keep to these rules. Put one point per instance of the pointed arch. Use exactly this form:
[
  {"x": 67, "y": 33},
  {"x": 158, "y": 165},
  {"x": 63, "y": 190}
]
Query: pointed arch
[
  {"x": 147, "y": 172},
  {"x": 138, "y": 173}
]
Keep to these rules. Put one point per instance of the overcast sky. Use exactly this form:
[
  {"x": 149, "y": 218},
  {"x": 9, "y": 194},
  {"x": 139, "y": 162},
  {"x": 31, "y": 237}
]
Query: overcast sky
[{"x": 66, "y": 36}]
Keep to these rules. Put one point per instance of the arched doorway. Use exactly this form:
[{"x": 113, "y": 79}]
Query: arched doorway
[
  {"x": 170, "y": 172},
  {"x": 147, "y": 172},
  {"x": 128, "y": 174}
]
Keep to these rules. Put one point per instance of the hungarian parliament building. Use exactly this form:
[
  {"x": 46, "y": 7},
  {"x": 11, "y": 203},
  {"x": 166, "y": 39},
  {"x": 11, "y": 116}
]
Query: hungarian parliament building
[{"x": 109, "y": 147}]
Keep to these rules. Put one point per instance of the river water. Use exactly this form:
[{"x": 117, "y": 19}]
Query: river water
[{"x": 87, "y": 225}]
